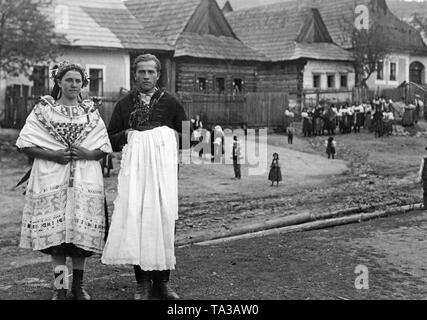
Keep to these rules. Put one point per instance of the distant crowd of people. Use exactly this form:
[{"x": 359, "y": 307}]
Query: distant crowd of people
[{"x": 376, "y": 115}]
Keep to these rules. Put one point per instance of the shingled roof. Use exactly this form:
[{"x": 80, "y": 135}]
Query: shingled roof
[
  {"x": 398, "y": 35},
  {"x": 195, "y": 28},
  {"x": 338, "y": 16},
  {"x": 165, "y": 18},
  {"x": 286, "y": 32},
  {"x": 209, "y": 46},
  {"x": 104, "y": 23}
]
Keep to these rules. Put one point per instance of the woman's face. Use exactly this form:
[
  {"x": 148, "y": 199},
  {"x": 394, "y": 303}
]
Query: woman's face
[{"x": 71, "y": 84}]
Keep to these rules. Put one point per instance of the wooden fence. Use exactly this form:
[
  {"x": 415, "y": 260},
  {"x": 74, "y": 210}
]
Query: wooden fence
[
  {"x": 19, "y": 105},
  {"x": 254, "y": 109},
  {"x": 16, "y": 111}
]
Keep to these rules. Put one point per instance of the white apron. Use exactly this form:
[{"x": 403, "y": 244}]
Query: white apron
[{"x": 142, "y": 229}]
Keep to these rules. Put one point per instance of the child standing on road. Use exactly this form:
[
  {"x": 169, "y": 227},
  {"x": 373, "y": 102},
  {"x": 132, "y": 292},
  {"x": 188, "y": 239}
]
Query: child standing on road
[
  {"x": 290, "y": 131},
  {"x": 330, "y": 145},
  {"x": 236, "y": 158},
  {"x": 422, "y": 178},
  {"x": 275, "y": 174}
]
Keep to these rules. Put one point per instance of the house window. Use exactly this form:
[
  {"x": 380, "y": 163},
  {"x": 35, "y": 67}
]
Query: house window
[
  {"x": 380, "y": 70},
  {"x": 201, "y": 84},
  {"x": 96, "y": 82},
  {"x": 416, "y": 72},
  {"x": 316, "y": 81},
  {"x": 237, "y": 85},
  {"x": 331, "y": 81},
  {"x": 392, "y": 71},
  {"x": 219, "y": 85},
  {"x": 40, "y": 79},
  {"x": 343, "y": 81}
]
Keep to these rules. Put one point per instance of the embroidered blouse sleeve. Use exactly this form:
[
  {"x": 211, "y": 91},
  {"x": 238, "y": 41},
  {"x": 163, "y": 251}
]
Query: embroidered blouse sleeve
[
  {"x": 22, "y": 142},
  {"x": 31, "y": 132}
]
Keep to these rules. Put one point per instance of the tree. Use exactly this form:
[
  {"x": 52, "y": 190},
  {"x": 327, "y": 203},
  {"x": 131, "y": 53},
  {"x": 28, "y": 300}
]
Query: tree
[
  {"x": 27, "y": 36},
  {"x": 368, "y": 49},
  {"x": 366, "y": 41}
]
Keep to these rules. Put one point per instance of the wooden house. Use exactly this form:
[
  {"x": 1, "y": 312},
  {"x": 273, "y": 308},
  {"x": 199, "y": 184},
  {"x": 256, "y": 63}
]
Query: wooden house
[
  {"x": 208, "y": 56},
  {"x": 304, "y": 60}
]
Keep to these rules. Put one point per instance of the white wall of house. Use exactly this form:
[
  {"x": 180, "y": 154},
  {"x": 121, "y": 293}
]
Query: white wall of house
[
  {"x": 334, "y": 70},
  {"x": 115, "y": 64},
  {"x": 325, "y": 69},
  {"x": 401, "y": 62}
]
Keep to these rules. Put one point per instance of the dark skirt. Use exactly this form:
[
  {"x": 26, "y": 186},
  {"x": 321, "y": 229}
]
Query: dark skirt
[
  {"x": 67, "y": 250},
  {"x": 408, "y": 118},
  {"x": 330, "y": 150},
  {"x": 275, "y": 174}
]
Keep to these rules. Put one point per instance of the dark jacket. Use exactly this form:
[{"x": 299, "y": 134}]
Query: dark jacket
[
  {"x": 168, "y": 112},
  {"x": 424, "y": 170}
]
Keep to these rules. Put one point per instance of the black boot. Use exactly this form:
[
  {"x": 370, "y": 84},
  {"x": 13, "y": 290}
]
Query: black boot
[
  {"x": 144, "y": 286},
  {"x": 161, "y": 289},
  {"x": 77, "y": 287},
  {"x": 59, "y": 294}
]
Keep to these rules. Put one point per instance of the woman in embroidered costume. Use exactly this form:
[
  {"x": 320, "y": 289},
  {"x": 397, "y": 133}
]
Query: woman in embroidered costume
[{"x": 64, "y": 211}]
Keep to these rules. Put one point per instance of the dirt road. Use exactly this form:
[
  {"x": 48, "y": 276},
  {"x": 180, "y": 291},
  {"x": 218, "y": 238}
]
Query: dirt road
[
  {"x": 367, "y": 171},
  {"x": 308, "y": 265}
]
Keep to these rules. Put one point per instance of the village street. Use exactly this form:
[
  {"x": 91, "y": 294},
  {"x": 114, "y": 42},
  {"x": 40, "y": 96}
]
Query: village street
[{"x": 308, "y": 265}]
